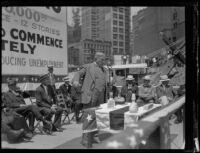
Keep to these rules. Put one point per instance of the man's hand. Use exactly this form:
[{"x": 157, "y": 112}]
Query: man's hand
[
  {"x": 53, "y": 108},
  {"x": 76, "y": 84},
  {"x": 22, "y": 105}
]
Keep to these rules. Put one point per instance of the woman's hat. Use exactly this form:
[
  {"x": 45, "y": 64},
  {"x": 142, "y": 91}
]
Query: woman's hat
[
  {"x": 130, "y": 77},
  {"x": 164, "y": 78}
]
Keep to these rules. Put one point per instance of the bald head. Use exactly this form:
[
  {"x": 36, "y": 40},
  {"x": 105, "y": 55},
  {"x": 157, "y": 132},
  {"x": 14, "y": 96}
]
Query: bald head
[{"x": 100, "y": 58}]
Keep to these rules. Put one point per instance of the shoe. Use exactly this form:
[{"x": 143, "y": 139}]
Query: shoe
[
  {"x": 28, "y": 135},
  {"x": 57, "y": 129},
  {"x": 49, "y": 125},
  {"x": 47, "y": 131},
  {"x": 177, "y": 121},
  {"x": 15, "y": 135}
]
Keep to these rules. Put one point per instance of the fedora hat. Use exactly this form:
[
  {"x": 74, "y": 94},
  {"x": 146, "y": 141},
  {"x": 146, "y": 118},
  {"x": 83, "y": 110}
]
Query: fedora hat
[
  {"x": 147, "y": 77},
  {"x": 66, "y": 78},
  {"x": 50, "y": 66},
  {"x": 130, "y": 77},
  {"x": 164, "y": 78},
  {"x": 43, "y": 77},
  {"x": 11, "y": 81}
]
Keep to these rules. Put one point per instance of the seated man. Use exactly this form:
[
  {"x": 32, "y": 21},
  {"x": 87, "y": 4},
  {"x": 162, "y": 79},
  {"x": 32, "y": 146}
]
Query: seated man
[
  {"x": 46, "y": 101},
  {"x": 112, "y": 88},
  {"x": 146, "y": 92},
  {"x": 129, "y": 88},
  {"x": 164, "y": 89},
  {"x": 65, "y": 89},
  {"x": 13, "y": 125},
  {"x": 15, "y": 101}
]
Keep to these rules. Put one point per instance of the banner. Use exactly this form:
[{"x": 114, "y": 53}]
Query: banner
[{"x": 32, "y": 38}]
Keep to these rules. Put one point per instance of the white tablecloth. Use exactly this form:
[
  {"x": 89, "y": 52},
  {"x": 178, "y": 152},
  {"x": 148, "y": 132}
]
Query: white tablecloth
[{"x": 103, "y": 119}]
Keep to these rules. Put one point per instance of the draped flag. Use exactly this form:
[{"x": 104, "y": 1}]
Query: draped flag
[{"x": 89, "y": 121}]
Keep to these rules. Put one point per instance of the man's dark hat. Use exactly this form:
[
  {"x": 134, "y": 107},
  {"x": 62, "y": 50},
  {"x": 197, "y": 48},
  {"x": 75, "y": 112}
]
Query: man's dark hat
[
  {"x": 43, "y": 77},
  {"x": 11, "y": 81}
]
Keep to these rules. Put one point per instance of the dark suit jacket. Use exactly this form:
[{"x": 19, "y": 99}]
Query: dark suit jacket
[
  {"x": 44, "y": 100},
  {"x": 64, "y": 90},
  {"x": 13, "y": 101}
]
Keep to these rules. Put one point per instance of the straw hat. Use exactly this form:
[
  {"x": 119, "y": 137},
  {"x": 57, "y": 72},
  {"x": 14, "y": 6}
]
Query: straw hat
[
  {"x": 147, "y": 77},
  {"x": 164, "y": 78},
  {"x": 130, "y": 77},
  {"x": 66, "y": 78}
]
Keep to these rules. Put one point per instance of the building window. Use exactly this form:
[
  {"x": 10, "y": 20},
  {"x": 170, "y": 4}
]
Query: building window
[
  {"x": 114, "y": 36},
  {"x": 121, "y": 10},
  {"x": 115, "y": 43},
  {"x": 175, "y": 25},
  {"x": 121, "y": 50},
  {"x": 174, "y": 38},
  {"x": 121, "y": 30},
  {"x": 121, "y": 23},
  {"x": 115, "y": 9},
  {"x": 121, "y": 44},
  {"x": 115, "y": 15},
  {"x": 114, "y": 29},
  {"x": 175, "y": 15},
  {"x": 114, "y": 22},
  {"x": 115, "y": 51},
  {"x": 121, "y": 17},
  {"x": 121, "y": 37}
]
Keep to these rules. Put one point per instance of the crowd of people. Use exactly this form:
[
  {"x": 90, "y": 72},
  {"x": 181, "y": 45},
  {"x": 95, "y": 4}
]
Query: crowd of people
[{"x": 88, "y": 89}]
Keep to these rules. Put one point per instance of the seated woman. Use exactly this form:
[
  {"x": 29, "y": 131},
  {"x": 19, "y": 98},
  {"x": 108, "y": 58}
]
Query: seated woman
[{"x": 129, "y": 88}]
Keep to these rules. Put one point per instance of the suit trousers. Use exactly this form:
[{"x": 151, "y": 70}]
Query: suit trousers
[
  {"x": 32, "y": 112},
  {"x": 48, "y": 113},
  {"x": 98, "y": 97}
]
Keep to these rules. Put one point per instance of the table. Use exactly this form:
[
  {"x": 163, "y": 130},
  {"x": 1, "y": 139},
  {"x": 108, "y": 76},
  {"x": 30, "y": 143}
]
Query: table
[{"x": 105, "y": 116}]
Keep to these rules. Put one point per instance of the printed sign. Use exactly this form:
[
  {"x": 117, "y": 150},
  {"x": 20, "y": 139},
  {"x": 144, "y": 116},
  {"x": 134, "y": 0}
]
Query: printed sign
[{"x": 32, "y": 38}]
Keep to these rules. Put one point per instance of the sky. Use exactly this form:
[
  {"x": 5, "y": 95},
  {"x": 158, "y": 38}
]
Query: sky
[{"x": 134, "y": 11}]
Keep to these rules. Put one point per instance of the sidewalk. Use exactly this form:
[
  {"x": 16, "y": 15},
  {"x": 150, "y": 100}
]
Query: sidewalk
[
  {"x": 39, "y": 141},
  {"x": 73, "y": 131}
]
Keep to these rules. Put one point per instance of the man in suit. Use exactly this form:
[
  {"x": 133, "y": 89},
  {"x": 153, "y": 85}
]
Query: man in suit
[
  {"x": 13, "y": 126},
  {"x": 15, "y": 100},
  {"x": 146, "y": 92},
  {"x": 129, "y": 88},
  {"x": 93, "y": 91},
  {"x": 52, "y": 77},
  {"x": 164, "y": 89},
  {"x": 65, "y": 89},
  {"x": 46, "y": 101}
]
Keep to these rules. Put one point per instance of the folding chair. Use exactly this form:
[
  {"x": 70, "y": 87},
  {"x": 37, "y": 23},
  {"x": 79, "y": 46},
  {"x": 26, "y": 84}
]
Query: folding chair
[
  {"x": 39, "y": 124},
  {"x": 61, "y": 103}
]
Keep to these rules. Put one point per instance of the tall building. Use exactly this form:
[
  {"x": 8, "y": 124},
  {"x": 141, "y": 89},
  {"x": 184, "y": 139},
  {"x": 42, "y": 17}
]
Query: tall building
[
  {"x": 108, "y": 24},
  {"x": 149, "y": 22},
  {"x": 85, "y": 50}
]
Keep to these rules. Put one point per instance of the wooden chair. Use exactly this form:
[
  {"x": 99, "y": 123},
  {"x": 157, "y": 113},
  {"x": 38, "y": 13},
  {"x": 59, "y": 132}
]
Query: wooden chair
[{"x": 62, "y": 103}]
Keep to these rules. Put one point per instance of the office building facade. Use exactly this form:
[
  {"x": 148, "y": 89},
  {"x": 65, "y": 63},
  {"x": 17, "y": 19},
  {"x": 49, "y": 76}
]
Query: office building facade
[
  {"x": 108, "y": 24},
  {"x": 149, "y": 22}
]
